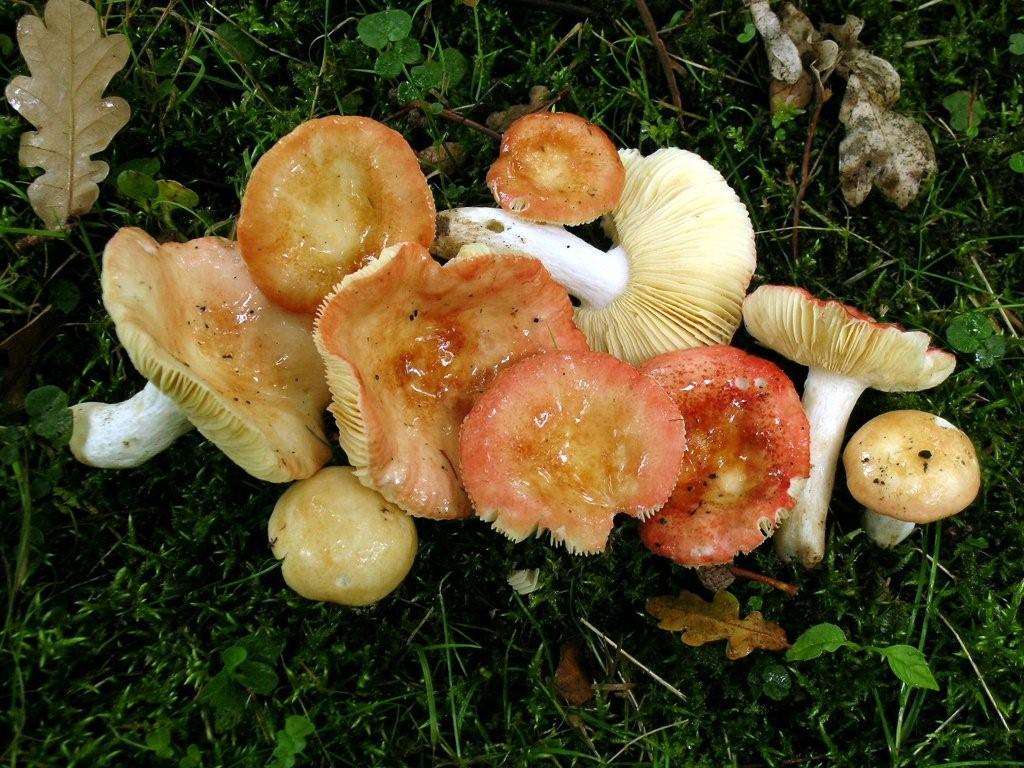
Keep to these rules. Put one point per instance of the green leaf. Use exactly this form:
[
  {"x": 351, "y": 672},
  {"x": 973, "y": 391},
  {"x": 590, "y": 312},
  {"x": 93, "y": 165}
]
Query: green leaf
[
  {"x": 454, "y": 65},
  {"x": 775, "y": 682},
  {"x": 150, "y": 166},
  {"x": 193, "y": 758},
  {"x": 6, "y": 45},
  {"x": 749, "y": 30},
  {"x": 1017, "y": 44},
  {"x": 298, "y": 727},
  {"x": 1017, "y": 162},
  {"x": 388, "y": 63},
  {"x": 137, "y": 186},
  {"x": 49, "y": 415},
  {"x": 966, "y": 332},
  {"x": 966, "y": 111},
  {"x": 65, "y": 295},
  {"x": 408, "y": 92},
  {"x": 376, "y": 30},
  {"x": 408, "y": 51},
  {"x": 990, "y": 351},
  {"x": 819, "y": 639},
  {"x": 237, "y": 43},
  {"x": 233, "y": 657},
  {"x": 227, "y": 699},
  {"x": 910, "y": 666},
  {"x": 173, "y": 192},
  {"x": 428, "y": 75},
  {"x": 256, "y": 676},
  {"x": 159, "y": 741}
]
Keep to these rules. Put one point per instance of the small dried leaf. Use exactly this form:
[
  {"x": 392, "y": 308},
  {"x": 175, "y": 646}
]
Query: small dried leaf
[
  {"x": 500, "y": 121},
  {"x": 572, "y": 682},
  {"x": 70, "y": 63},
  {"x": 783, "y": 56},
  {"x": 703, "y": 622},
  {"x": 446, "y": 158},
  {"x": 715, "y": 578}
]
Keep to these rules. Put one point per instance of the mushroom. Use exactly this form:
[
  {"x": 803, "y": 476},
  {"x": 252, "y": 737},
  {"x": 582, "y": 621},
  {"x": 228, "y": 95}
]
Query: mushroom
[
  {"x": 676, "y": 276},
  {"x": 410, "y": 345},
  {"x": 747, "y": 455},
  {"x": 216, "y": 352},
  {"x": 324, "y": 200},
  {"x": 556, "y": 168},
  {"x": 562, "y": 441},
  {"x": 846, "y": 352},
  {"x": 909, "y": 468},
  {"x": 339, "y": 540}
]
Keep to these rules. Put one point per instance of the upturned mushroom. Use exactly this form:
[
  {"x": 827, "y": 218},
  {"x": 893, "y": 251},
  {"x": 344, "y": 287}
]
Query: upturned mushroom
[
  {"x": 339, "y": 541},
  {"x": 556, "y": 168},
  {"x": 325, "y": 200},
  {"x": 563, "y": 441},
  {"x": 218, "y": 355},
  {"x": 846, "y": 352},
  {"x": 410, "y": 345},
  {"x": 675, "y": 278},
  {"x": 746, "y": 460},
  {"x": 909, "y": 468}
]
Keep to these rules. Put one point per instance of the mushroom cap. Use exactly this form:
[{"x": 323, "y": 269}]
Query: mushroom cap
[
  {"x": 324, "y": 200},
  {"x": 690, "y": 246},
  {"x": 565, "y": 440},
  {"x": 244, "y": 370},
  {"x": 339, "y": 540},
  {"x": 912, "y": 466},
  {"x": 748, "y": 454},
  {"x": 843, "y": 340},
  {"x": 410, "y": 345},
  {"x": 556, "y": 168}
]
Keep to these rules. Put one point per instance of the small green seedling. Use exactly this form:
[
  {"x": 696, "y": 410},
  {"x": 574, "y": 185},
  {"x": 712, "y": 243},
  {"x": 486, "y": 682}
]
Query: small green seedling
[
  {"x": 1016, "y": 162},
  {"x": 291, "y": 741},
  {"x": 49, "y": 415},
  {"x": 248, "y": 667},
  {"x": 972, "y": 333},
  {"x": 966, "y": 111},
  {"x": 905, "y": 661},
  {"x": 1017, "y": 43},
  {"x": 136, "y": 182},
  {"x": 748, "y": 33}
]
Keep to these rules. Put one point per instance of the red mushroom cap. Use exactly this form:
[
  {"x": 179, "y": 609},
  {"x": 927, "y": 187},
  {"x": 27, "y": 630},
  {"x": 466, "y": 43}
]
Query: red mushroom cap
[
  {"x": 748, "y": 443},
  {"x": 563, "y": 441},
  {"x": 556, "y": 168}
]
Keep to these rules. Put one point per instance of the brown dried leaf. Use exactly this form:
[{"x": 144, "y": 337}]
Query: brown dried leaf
[
  {"x": 882, "y": 148},
  {"x": 703, "y": 622},
  {"x": 446, "y": 158},
  {"x": 500, "y": 121},
  {"x": 70, "y": 63},
  {"x": 783, "y": 57},
  {"x": 572, "y": 682}
]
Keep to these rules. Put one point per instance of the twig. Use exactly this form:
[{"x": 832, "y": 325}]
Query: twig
[
  {"x": 663, "y": 58},
  {"x": 447, "y": 114},
  {"x": 743, "y": 573},
  {"x": 977, "y": 671},
  {"x": 805, "y": 165},
  {"x": 655, "y": 676}
]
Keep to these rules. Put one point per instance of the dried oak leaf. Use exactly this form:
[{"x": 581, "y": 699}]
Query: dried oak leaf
[
  {"x": 881, "y": 148},
  {"x": 500, "y": 121},
  {"x": 572, "y": 680},
  {"x": 71, "y": 63},
  {"x": 703, "y": 622}
]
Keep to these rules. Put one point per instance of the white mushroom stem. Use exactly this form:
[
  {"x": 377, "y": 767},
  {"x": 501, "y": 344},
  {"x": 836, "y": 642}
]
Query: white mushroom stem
[
  {"x": 828, "y": 400},
  {"x": 593, "y": 276},
  {"x": 123, "y": 435},
  {"x": 885, "y": 531}
]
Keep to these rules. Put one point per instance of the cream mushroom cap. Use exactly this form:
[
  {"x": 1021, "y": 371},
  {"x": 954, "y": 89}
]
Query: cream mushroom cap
[
  {"x": 243, "y": 370},
  {"x": 912, "y": 466},
  {"x": 340, "y": 541}
]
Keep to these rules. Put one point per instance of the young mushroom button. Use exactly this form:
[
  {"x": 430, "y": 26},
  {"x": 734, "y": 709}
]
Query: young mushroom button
[
  {"x": 217, "y": 354},
  {"x": 908, "y": 468},
  {"x": 846, "y": 352},
  {"x": 676, "y": 275}
]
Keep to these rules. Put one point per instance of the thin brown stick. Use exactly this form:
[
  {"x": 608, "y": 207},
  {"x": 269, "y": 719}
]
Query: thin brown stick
[
  {"x": 805, "y": 165},
  {"x": 447, "y": 114},
  {"x": 743, "y": 573},
  {"x": 663, "y": 58}
]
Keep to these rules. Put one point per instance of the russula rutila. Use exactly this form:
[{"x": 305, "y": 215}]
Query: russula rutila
[
  {"x": 409, "y": 345},
  {"x": 675, "y": 278},
  {"x": 556, "y": 168},
  {"x": 747, "y": 455},
  {"x": 909, "y": 468},
  {"x": 217, "y": 354},
  {"x": 562, "y": 441},
  {"x": 339, "y": 541},
  {"x": 324, "y": 200},
  {"x": 846, "y": 352}
]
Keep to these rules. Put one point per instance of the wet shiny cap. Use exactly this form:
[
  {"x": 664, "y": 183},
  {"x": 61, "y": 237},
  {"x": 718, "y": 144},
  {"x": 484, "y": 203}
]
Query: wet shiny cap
[{"x": 244, "y": 371}]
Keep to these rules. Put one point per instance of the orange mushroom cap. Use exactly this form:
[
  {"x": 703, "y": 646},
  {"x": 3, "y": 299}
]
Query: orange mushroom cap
[
  {"x": 324, "y": 200},
  {"x": 563, "y": 441},
  {"x": 747, "y": 452},
  {"x": 556, "y": 168},
  {"x": 409, "y": 347}
]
